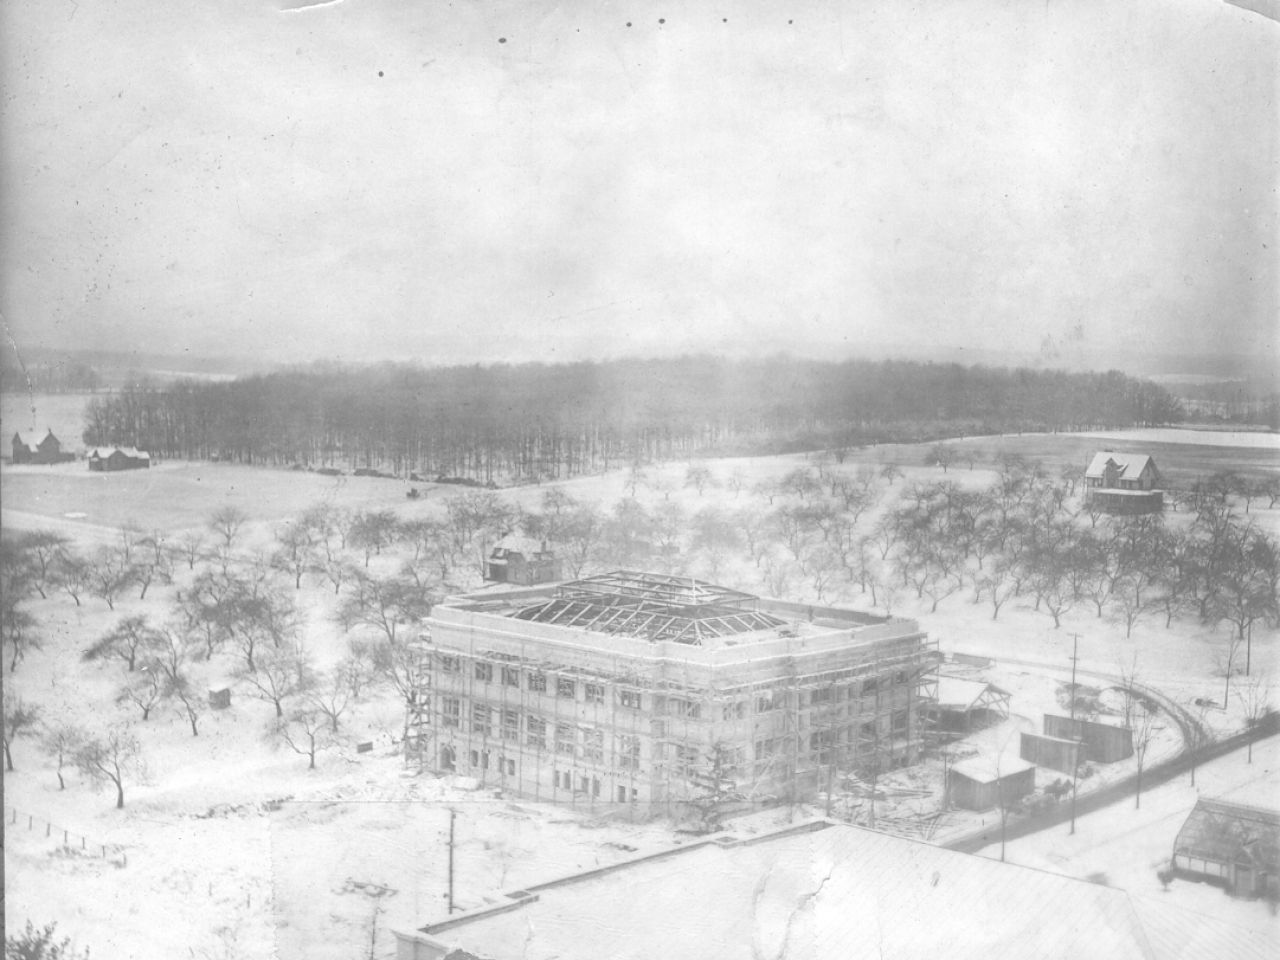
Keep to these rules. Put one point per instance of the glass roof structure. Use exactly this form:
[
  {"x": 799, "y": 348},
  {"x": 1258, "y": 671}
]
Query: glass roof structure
[{"x": 651, "y": 606}]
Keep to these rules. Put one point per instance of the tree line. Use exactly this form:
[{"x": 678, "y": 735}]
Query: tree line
[{"x": 537, "y": 421}]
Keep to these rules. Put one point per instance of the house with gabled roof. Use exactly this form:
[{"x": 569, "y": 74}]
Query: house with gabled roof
[
  {"x": 522, "y": 560},
  {"x": 1232, "y": 844},
  {"x": 1123, "y": 483},
  {"x": 32, "y": 448}
]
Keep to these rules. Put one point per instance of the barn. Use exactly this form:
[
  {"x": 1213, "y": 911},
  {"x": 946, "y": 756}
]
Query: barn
[
  {"x": 1123, "y": 483},
  {"x": 1232, "y": 844},
  {"x": 32, "y": 448},
  {"x": 112, "y": 459}
]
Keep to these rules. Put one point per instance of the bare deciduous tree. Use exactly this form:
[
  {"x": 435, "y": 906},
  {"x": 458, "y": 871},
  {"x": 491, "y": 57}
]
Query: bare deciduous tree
[{"x": 110, "y": 758}]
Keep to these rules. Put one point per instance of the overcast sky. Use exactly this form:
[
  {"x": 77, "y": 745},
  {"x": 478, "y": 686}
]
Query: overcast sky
[{"x": 389, "y": 179}]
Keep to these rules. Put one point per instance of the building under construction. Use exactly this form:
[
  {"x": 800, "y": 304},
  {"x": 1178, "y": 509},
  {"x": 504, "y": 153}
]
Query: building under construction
[{"x": 661, "y": 690}]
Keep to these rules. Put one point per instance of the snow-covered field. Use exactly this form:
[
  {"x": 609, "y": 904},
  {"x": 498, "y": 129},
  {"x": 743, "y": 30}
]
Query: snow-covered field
[
  {"x": 231, "y": 847},
  {"x": 1124, "y": 846}
]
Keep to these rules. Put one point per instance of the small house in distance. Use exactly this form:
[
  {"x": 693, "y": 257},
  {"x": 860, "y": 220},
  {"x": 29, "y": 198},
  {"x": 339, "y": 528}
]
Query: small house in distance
[
  {"x": 977, "y": 784},
  {"x": 1233, "y": 844},
  {"x": 111, "y": 459},
  {"x": 31, "y": 448},
  {"x": 522, "y": 560},
  {"x": 1123, "y": 483}
]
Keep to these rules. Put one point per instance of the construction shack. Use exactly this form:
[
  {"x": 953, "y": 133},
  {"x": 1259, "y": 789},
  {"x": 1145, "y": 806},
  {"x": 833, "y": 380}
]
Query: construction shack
[
  {"x": 1232, "y": 844},
  {"x": 1104, "y": 742},
  {"x": 1053, "y": 752},
  {"x": 967, "y": 705},
  {"x": 982, "y": 784}
]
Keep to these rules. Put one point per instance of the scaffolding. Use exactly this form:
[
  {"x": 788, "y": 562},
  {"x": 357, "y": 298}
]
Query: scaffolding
[{"x": 586, "y": 705}]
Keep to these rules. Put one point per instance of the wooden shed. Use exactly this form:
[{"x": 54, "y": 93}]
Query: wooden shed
[
  {"x": 965, "y": 705},
  {"x": 1232, "y": 844},
  {"x": 1052, "y": 752},
  {"x": 1103, "y": 742},
  {"x": 976, "y": 785}
]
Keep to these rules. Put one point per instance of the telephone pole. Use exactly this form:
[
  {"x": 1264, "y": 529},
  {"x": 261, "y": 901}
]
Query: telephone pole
[
  {"x": 452, "y": 814},
  {"x": 1075, "y": 767},
  {"x": 1075, "y": 646}
]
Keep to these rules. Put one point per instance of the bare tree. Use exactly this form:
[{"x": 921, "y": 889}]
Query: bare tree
[
  {"x": 44, "y": 548},
  {"x": 189, "y": 546},
  {"x": 941, "y": 455},
  {"x": 20, "y": 720},
  {"x": 226, "y": 522},
  {"x": 109, "y": 574},
  {"x": 332, "y": 694},
  {"x": 130, "y": 638},
  {"x": 384, "y": 603},
  {"x": 60, "y": 741},
  {"x": 74, "y": 575},
  {"x": 280, "y": 674},
  {"x": 1143, "y": 731},
  {"x": 20, "y": 633},
  {"x": 110, "y": 758},
  {"x": 1254, "y": 697},
  {"x": 144, "y": 690},
  {"x": 304, "y": 731},
  {"x": 699, "y": 476}
]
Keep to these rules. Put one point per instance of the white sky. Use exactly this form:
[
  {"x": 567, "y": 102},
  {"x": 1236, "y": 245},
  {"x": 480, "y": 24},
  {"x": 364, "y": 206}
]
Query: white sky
[{"x": 223, "y": 177}]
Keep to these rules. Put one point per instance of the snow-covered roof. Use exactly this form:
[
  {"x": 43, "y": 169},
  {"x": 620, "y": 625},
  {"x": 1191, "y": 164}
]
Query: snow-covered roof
[
  {"x": 831, "y": 893},
  {"x": 131, "y": 452},
  {"x": 1128, "y": 465},
  {"x": 955, "y": 693},
  {"x": 983, "y": 769},
  {"x": 527, "y": 546},
  {"x": 1231, "y": 833},
  {"x": 29, "y": 439}
]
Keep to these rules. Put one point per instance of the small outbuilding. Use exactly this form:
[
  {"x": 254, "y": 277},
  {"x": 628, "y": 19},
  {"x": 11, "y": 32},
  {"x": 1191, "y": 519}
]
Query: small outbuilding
[
  {"x": 965, "y": 705},
  {"x": 32, "y": 448},
  {"x": 1053, "y": 752},
  {"x": 111, "y": 459},
  {"x": 1103, "y": 742},
  {"x": 1232, "y": 844},
  {"x": 1123, "y": 483},
  {"x": 976, "y": 784},
  {"x": 522, "y": 560}
]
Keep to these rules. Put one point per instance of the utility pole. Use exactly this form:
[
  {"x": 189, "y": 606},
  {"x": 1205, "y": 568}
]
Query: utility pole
[
  {"x": 1075, "y": 646},
  {"x": 452, "y": 814}
]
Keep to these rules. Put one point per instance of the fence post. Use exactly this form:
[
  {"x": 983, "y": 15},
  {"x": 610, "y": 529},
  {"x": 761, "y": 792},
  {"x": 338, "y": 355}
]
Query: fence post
[
  {"x": 48, "y": 828},
  {"x": 82, "y": 842},
  {"x": 64, "y": 838},
  {"x": 30, "y": 821}
]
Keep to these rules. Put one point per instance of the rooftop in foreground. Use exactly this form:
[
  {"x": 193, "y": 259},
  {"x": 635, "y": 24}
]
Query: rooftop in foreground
[{"x": 823, "y": 891}]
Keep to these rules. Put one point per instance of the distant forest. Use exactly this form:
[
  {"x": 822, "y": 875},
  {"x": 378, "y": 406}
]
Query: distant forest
[
  {"x": 47, "y": 376},
  {"x": 535, "y": 421}
]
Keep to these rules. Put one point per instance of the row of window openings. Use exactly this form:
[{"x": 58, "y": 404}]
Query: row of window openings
[
  {"x": 563, "y": 779},
  {"x": 594, "y": 692}
]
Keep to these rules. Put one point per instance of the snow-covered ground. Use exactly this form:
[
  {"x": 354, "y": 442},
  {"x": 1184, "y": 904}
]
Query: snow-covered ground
[
  {"x": 232, "y": 848},
  {"x": 1124, "y": 847}
]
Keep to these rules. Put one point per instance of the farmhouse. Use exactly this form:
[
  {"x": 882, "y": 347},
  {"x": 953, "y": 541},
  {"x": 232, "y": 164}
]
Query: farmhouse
[
  {"x": 826, "y": 891},
  {"x": 109, "y": 459},
  {"x": 1234, "y": 844},
  {"x": 665, "y": 692},
  {"x": 32, "y": 448},
  {"x": 1123, "y": 483},
  {"x": 522, "y": 560}
]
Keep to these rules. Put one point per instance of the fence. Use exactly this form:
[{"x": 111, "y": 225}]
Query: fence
[{"x": 14, "y": 819}]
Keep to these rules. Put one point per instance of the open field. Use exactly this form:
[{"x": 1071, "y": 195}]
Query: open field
[{"x": 205, "y": 839}]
